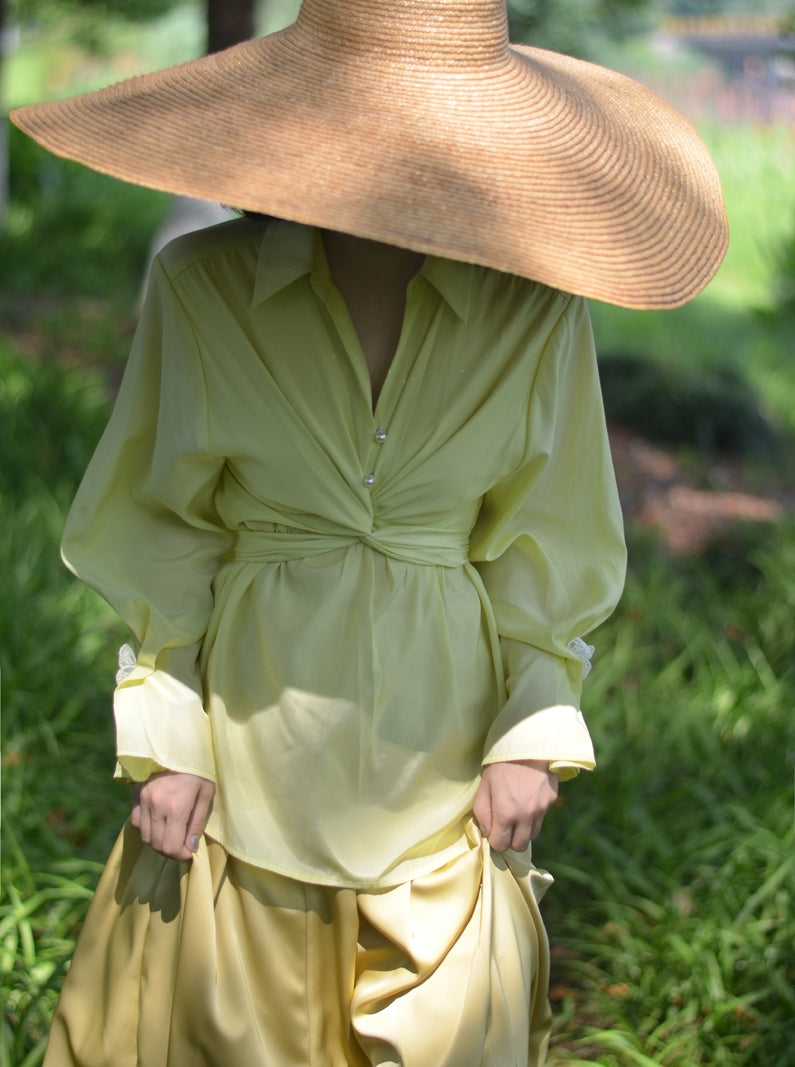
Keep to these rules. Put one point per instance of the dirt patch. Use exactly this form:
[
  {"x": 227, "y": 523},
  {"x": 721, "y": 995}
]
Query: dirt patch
[{"x": 659, "y": 491}]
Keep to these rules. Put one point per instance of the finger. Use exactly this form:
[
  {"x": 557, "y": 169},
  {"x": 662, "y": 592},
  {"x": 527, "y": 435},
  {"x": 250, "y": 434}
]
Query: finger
[
  {"x": 500, "y": 842},
  {"x": 482, "y": 808},
  {"x": 523, "y": 834},
  {"x": 506, "y": 816},
  {"x": 135, "y": 812},
  {"x": 199, "y": 816},
  {"x": 535, "y": 826},
  {"x": 501, "y": 834},
  {"x": 176, "y": 816},
  {"x": 144, "y": 816},
  {"x": 172, "y": 841},
  {"x": 158, "y": 828},
  {"x": 160, "y": 822}
]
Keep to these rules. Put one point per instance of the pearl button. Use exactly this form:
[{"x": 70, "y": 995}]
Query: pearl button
[
  {"x": 369, "y": 480},
  {"x": 380, "y": 435}
]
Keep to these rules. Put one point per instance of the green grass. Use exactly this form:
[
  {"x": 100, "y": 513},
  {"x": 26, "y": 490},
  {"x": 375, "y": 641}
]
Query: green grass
[
  {"x": 60, "y": 808},
  {"x": 674, "y": 917}
]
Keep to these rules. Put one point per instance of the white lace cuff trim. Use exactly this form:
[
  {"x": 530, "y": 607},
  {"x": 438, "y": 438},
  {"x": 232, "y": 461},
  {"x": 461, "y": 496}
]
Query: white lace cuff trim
[
  {"x": 160, "y": 722},
  {"x": 583, "y": 652},
  {"x": 127, "y": 663}
]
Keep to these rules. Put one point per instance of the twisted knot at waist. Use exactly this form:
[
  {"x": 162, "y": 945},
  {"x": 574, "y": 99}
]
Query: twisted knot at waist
[{"x": 274, "y": 543}]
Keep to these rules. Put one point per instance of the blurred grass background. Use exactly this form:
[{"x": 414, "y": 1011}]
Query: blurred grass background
[{"x": 672, "y": 919}]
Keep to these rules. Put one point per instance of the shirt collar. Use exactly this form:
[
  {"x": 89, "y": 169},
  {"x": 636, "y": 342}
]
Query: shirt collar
[
  {"x": 286, "y": 254},
  {"x": 290, "y": 251},
  {"x": 452, "y": 281}
]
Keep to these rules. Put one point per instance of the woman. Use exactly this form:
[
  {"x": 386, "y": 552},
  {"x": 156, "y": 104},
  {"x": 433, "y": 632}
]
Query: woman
[{"x": 356, "y": 503}]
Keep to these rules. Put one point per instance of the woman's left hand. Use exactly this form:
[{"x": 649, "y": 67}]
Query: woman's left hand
[
  {"x": 170, "y": 810},
  {"x": 511, "y": 801}
]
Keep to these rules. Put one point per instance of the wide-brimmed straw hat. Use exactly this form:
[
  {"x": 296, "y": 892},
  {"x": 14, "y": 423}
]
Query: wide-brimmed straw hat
[{"x": 414, "y": 122}]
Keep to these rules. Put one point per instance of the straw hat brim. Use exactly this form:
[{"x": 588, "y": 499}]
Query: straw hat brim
[{"x": 538, "y": 165}]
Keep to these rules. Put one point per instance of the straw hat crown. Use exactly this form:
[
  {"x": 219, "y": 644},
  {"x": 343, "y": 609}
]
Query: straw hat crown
[
  {"x": 448, "y": 33},
  {"x": 415, "y": 122}
]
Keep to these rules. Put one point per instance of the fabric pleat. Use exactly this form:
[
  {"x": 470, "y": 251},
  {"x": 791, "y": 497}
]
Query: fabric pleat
[
  {"x": 218, "y": 963},
  {"x": 450, "y": 963}
]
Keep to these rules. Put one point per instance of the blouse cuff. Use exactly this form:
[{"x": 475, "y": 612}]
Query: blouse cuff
[
  {"x": 541, "y": 718},
  {"x": 557, "y": 734},
  {"x": 160, "y": 724}
]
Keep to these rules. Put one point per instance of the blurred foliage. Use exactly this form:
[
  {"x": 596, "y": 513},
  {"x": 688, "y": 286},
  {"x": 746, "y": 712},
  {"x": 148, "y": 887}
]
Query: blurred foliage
[
  {"x": 714, "y": 411},
  {"x": 51, "y": 629},
  {"x": 740, "y": 325},
  {"x": 46, "y": 11},
  {"x": 50, "y": 421},
  {"x": 88, "y": 23},
  {"x": 573, "y": 26},
  {"x": 56, "y": 639},
  {"x": 581, "y": 27},
  {"x": 784, "y": 285},
  {"x": 725, "y": 7},
  {"x": 69, "y": 229},
  {"x": 744, "y": 355}
]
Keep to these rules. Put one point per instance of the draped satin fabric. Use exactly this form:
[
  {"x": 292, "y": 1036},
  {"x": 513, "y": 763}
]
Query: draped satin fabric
[{"x": 219, "y": 963}]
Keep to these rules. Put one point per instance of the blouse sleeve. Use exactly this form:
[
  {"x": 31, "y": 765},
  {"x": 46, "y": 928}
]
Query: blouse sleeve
[
  {"x": 549, "y": 546},
  {"x": 143, "y": 532}
]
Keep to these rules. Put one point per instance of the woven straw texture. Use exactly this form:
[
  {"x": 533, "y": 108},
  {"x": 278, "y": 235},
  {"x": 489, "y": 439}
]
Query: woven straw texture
[{"x": 416, "y": 123}]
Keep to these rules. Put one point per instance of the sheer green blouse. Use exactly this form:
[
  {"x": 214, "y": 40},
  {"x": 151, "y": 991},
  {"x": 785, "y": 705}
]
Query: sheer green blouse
[{"x": 341, "y": 611}]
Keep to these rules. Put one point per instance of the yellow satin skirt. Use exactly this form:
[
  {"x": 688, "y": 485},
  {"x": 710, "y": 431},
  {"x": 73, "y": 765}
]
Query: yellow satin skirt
[{"x": 220, "y": 964}]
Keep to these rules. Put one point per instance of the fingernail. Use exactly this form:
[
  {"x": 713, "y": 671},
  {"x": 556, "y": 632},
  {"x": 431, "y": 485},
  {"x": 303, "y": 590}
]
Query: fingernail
[{"x": 194, "y": 843}]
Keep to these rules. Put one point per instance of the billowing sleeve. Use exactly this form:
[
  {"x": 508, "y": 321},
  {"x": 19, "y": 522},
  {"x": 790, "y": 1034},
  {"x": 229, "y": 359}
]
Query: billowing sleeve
[
  {"x": 549, "y": 547},
  {"x": 143, "y": 532}
]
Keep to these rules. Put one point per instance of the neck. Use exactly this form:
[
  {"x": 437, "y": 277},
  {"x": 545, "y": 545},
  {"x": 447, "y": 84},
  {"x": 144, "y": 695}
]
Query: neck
[
  {"x": 372, "y": 279},
  {"x": 363, "y": 262}
]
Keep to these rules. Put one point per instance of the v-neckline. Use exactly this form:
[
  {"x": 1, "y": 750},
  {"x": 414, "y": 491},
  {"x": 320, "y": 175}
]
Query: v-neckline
[
  {"x": 353, "y": 347},
  {"x": 374, "y": 387}
]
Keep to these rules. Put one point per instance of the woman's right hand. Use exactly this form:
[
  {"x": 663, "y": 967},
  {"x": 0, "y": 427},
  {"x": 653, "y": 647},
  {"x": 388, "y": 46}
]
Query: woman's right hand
[{"x": 170, "y": 809}]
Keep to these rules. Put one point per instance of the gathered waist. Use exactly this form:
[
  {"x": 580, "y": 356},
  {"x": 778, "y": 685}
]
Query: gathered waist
[{"x": 276, "y": 543}]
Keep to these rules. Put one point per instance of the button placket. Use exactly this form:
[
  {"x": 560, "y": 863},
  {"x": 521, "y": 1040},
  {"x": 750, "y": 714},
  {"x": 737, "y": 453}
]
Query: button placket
[{"x": 379, "y": 437}]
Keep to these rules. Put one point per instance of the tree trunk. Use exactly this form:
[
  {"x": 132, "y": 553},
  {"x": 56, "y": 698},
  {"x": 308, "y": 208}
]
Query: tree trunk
[{"x": 228, "y": 22}]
